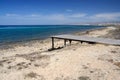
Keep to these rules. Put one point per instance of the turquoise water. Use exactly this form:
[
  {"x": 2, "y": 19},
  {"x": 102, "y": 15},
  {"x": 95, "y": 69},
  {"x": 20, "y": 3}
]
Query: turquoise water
[{"x": 13, "y": 33}]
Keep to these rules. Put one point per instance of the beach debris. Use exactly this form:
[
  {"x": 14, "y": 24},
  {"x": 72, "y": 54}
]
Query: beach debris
[{"x": 51, "y": 49}]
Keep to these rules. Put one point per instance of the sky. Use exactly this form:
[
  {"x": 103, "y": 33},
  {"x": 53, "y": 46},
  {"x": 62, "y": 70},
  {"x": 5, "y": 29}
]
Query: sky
[{"x": 45, "y": 12}]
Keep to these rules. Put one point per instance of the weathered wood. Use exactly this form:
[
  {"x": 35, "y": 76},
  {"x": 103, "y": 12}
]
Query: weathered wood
[
  {"x": 89, "y": 39},
  {"x": 65, "y": 42},
  {"x": 52, "y": 42},
  {"x": 70, "y": 41}
]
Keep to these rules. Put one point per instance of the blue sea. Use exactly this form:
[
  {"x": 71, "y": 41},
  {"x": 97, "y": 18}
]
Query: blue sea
[{"x": 14, "y": 33}]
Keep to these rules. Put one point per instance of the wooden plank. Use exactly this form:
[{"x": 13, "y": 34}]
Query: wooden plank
[{"x": 89, "y": 39}]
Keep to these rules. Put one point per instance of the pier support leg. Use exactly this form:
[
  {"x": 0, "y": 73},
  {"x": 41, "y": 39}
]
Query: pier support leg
[
  {"x": 52, "y": 43},
  {"x": 81, "y": 42},
  {"x": 70, "y": 41},
  {"x": 65, "y": 42}
]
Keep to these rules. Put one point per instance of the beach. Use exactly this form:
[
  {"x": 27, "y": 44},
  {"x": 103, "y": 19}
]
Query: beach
[{"x": 31, "y": 60}]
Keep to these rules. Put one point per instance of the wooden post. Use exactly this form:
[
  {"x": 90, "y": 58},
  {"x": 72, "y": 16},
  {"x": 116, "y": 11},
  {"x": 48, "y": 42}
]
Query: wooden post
[
  {"x": 81, "y": 42},
  {"x": 52, "y": 43},
  {"x": 70, "y": 41},
  {"x": 65, "y": 42}
]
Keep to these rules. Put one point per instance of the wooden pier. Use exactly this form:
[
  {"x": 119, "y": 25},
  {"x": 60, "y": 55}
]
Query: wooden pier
[{"x": 71, "y": 38}]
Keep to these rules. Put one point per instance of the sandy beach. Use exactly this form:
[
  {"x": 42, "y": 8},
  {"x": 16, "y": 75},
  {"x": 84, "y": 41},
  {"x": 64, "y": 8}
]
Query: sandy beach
[{"x": 31, "y": 60}]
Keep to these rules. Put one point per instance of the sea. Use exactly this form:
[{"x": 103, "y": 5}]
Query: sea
[{"x": 15, "y": 33}]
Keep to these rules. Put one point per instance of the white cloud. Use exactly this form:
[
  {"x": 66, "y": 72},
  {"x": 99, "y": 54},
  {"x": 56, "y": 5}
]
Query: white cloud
[
  {"x": 49, "y": 16},
  {"x": 11, "y": 15},
  {"x": 58, "y": 18},
  {"x": 34, "y": 15},
  {"x": 106, "y": 16},
  {"x": 77, "y": 15},
  {"x": 69, "y": 10},
  {"x": 46, "y": 17},
  {"x": 55, "y": 17}
]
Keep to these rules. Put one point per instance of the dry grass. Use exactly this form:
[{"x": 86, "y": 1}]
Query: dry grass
[
  {"x": 31, "y": 75},
  {"x": 117, "y": 64},
  {"x": 114, "y": 33},
  {"x": 33, "y": 56},
  {"x": 2, "y": 61},
  {"x": 84, "y": 78},
  {"x": 34, "y": 75}
]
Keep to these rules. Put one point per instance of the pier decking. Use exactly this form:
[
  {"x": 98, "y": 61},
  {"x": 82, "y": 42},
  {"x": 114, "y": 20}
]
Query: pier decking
[{"x": 85, "y": 39}]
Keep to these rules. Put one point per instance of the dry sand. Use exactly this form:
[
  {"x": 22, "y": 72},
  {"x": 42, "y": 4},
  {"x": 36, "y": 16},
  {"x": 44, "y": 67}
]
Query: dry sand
[{"x": 32, "y": 60}]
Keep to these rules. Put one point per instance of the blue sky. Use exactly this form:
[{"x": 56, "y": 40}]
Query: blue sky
[{"x": 23, "y": 12}]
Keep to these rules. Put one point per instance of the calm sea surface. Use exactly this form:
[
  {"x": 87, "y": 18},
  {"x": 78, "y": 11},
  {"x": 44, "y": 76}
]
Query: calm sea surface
[{"x": 13, "y": 33}]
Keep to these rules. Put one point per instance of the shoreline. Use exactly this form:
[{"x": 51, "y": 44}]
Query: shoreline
[{"x": 48, "y": 38}]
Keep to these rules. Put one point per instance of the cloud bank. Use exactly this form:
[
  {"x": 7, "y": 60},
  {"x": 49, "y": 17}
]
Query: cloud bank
[
  {"x": 57, "y": 18},
  {"x": 106, "y": 16}
]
